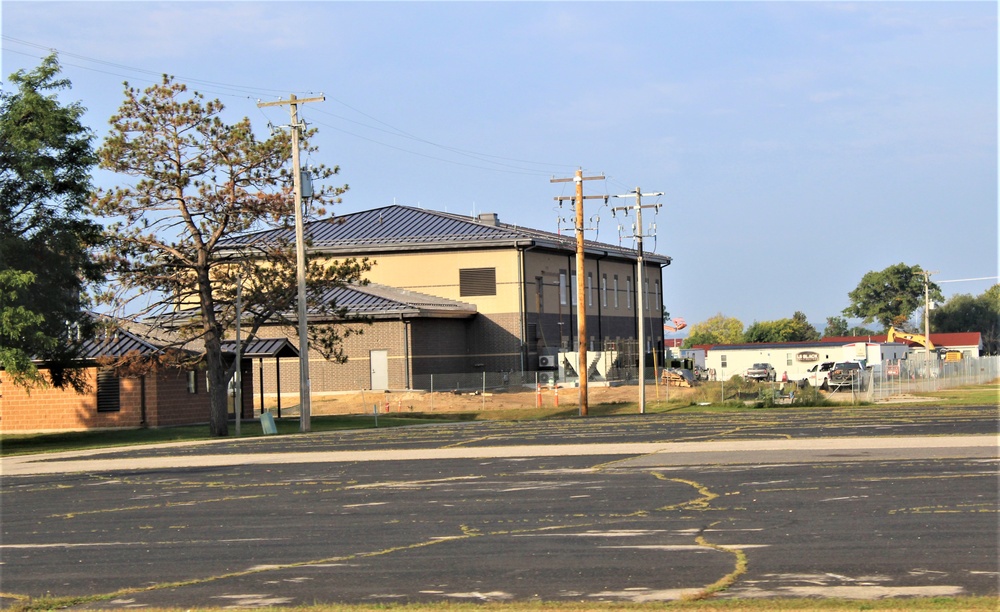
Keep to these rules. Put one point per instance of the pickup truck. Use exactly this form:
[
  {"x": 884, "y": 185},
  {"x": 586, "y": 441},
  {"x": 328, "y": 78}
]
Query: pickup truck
[
  {"x": 761, "y": 372},
  {"x": 818, "y": 375},
  {"x": 845, "y": 373}
]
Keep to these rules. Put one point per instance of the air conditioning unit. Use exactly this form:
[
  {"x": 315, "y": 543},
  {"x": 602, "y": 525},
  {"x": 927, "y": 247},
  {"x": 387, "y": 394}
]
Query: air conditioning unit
[
  {"x": 547, "y": 362},
  {"x": 544, "y": 378}
]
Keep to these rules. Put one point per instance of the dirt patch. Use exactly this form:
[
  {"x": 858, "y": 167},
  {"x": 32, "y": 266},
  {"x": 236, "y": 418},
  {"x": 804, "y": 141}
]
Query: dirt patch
[{"x": 504, "y": 399}]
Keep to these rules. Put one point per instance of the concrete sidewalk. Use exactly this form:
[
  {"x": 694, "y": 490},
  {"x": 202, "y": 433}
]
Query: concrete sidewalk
[{"x": 646, "y": 454}]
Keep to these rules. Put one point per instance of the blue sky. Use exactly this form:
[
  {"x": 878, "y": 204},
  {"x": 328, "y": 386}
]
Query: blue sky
[{"x": 799, "y": 145}]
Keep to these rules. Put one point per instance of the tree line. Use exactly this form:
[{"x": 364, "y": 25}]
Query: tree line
[{"x": 888, "y": 297}]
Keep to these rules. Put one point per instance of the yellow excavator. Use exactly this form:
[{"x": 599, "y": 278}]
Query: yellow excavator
[
  {"x": 949, "y": 354},
  {"x": 921, "y": 340}
]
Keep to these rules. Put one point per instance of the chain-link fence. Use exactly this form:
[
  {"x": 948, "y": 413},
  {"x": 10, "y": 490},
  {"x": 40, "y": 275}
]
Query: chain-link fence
[
  {"x": 496, "y": 381},
  {"x": 908, "y": 376}
]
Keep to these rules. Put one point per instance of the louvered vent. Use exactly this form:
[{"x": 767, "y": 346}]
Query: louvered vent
[
  {"x": 477, "y": 281},
  {"x": 107, "y": 391}
]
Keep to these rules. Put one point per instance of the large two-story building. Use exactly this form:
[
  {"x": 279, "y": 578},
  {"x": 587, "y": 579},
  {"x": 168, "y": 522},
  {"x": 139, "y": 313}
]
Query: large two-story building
[{"x": 471, "y": 294}]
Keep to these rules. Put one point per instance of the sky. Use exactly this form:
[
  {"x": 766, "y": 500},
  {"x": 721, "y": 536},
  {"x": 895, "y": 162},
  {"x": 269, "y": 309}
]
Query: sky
[{"x": 798, "y": 145}]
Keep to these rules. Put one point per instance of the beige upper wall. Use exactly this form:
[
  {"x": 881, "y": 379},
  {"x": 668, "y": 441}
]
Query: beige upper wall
[{"x": 437, "y": 273}]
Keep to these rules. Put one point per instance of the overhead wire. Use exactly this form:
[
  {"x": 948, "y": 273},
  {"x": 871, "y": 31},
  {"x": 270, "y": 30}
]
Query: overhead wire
[
  {"x": 425, "y": 155},
  {"x": 493, "y": 162}
]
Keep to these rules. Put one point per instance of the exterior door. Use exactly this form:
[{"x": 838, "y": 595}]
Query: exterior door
[{"x": 380, "y": 369}]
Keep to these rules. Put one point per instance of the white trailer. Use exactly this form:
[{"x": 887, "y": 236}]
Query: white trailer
[{"x": 874, "y": 353}]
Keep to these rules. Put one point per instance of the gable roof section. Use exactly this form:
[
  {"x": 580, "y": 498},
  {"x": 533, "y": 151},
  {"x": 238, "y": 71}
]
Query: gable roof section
[
  {"x": 396, "y": 227},
  {"x": 262, "y": 347},
  {"x": 117, "y": 343},
  {"x": 384, "y": 302},
  {"x": 372, "y": 300}
]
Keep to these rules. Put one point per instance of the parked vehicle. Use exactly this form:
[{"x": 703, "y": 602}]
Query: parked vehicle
[
  {"x": 761, "y": 372},
  {"x": 818, "y": 375},
  {"x": 845, "y": 373}
]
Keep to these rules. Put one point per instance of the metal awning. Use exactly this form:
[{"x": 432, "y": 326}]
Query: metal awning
[{"x": 262, "y": 347}]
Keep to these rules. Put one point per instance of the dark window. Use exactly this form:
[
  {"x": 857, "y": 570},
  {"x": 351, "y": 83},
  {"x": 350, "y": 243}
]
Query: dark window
[
  {"x": 108, "y": 399},
  {"x": 477, "y": 281}
]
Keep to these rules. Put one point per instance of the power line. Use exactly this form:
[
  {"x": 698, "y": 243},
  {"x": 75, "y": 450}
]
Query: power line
[
  {"x": 396, "y": 131},
  {"x": 965, "y": 280},
  {"x": 526, "y": 171},
  {"x": 243, "y": 89},
  {"x": 496, "y": 163}
]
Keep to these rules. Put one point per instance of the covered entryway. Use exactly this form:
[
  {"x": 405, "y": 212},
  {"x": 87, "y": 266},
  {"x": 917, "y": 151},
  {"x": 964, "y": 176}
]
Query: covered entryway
[{"x": 261, "y": 348}]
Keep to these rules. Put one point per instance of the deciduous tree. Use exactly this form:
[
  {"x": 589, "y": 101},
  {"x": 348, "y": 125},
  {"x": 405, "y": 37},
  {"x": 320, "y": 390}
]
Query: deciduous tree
[
  {"x": 795, "y": 329},
  {"x": 715, "y": 330},
  {"x": 890, "y": 296},
  {"x": 967, "y": 313},
  {"x": 46, "y": 241},
  {"x": 839, "y": 327},
  {"x": 197, "y": 181}
]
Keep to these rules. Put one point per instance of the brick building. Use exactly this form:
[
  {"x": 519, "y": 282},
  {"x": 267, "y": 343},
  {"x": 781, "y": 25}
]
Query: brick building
[{"x": 163, "y": 398}]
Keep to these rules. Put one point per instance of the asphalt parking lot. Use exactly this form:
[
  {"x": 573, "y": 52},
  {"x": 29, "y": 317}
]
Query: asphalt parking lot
[{"x": 646, "y": 508}]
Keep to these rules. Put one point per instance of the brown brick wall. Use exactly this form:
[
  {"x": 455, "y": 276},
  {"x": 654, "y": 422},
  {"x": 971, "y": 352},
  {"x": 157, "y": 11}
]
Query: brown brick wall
[{"x": 167, "y": 403}]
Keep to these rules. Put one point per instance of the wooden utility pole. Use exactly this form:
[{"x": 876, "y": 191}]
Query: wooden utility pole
[
  {"x": 927, "y": 320},
  {"x": 640, "y": 286},
  {"x": 300, "y": 258},
  {"x": 583, "y": 369}
]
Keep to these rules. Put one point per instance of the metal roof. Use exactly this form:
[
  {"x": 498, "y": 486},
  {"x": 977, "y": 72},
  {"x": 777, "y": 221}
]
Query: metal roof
[
  {"x": 371, "y": 300},
  {"x": 381, "y": 301},
  {"x": 117, "y": 343},
  {"x": 262, "y": 347},
  {"x": 404, "y": 227}
]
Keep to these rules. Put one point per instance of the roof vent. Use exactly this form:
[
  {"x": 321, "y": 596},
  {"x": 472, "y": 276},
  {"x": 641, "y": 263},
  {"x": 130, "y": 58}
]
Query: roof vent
[{"x": 489, "y": 219}]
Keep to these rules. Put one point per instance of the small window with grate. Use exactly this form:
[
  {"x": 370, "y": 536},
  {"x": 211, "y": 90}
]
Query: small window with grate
[
  {"x": 477, "y": 281},
  {"x": 108, "y": 398}
]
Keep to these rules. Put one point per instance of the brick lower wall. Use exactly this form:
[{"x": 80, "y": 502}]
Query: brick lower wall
[{"x": 167, "y": 403}]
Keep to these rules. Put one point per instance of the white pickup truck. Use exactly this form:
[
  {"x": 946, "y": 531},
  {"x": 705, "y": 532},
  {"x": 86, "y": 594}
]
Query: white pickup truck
[{"x": 819, "y": 375}]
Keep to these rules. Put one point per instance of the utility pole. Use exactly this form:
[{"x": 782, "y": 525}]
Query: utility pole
[
  {"x": 927, "y": 320},
  {"x": 641, "y": 287},
  {"x": 581, "y": 291},
  {"x": 300, "y": 257}
]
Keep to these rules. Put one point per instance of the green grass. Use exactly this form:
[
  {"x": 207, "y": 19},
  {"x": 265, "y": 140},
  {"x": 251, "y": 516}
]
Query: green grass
[
  {"x": 18, "y": 444},
  {"x": 978, "y": 395}
]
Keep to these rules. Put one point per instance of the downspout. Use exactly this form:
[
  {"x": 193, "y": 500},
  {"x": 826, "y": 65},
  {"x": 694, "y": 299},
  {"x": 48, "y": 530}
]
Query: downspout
[
  {"x": 142, "y": 400},
  {"x": 406, "y": 351},
  {"x": 522, "y": 276},
  {"x": 663, "y": 304}
]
